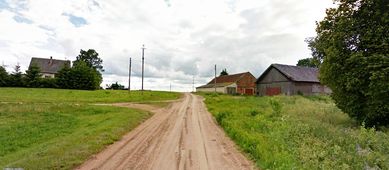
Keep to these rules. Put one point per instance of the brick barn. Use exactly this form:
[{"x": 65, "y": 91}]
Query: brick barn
[
  {"x": 290, "y": 80},
  {"x": 242, "y": 83}
]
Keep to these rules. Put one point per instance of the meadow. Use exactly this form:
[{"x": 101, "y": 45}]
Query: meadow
[
  {"x": 298, "y": 132},
  {"x": 60, "y": 129}
]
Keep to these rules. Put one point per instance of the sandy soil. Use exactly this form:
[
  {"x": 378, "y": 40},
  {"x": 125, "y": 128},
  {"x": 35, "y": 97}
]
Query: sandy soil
[{"x": 181, "y": 136}]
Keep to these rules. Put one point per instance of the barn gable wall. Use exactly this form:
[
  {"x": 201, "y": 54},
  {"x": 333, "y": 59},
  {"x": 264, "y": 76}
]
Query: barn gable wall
[
  {"x": 246, "y": 83},
  {"x": 273, "y": 75}
]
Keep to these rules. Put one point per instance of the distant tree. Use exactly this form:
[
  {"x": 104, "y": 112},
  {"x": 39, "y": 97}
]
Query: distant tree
[
  {"x": 308, "y": 62},
  {"x": 64, "y": 77},
  {"x": 16, "y": 78},
  {"x": 224, "y": 72},
  {"x": 33, "y": 76},
  {"x": 84, "y": 77},
  {"x": 4, "y": 77},
  {"x": 353, "y": 41},
  {"x": 316, "y": 51},
  {"x": 91, "y": 58},
  {"x": 115, "y": 86}
]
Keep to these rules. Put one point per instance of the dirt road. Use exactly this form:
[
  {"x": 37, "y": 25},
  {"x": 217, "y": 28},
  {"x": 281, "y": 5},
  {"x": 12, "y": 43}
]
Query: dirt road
[{"x": 181, "y": 136}]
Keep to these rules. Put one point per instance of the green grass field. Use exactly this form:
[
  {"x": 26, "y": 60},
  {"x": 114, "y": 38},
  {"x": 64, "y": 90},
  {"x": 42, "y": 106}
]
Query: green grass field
[
  {"x": 80, "y": 96},
  {"x": 59, "y": 129},
  {"x": 296, "y": 132}
]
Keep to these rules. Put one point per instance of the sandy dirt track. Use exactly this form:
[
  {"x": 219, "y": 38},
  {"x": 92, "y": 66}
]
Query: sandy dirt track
[{"x": 181, "y": 136}]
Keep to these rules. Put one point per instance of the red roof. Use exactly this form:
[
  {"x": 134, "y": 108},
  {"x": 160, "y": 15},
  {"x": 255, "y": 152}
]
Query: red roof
[{"x": 229, "y": 78}]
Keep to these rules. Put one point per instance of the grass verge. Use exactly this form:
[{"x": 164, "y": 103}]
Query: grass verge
[
  {"x": 37, "y": 131},
  {"x": 296, "y": 132}
]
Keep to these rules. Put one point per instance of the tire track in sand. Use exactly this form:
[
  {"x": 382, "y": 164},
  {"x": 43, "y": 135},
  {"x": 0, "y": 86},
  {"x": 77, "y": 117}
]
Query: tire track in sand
[{"x": 181, "y": 136}]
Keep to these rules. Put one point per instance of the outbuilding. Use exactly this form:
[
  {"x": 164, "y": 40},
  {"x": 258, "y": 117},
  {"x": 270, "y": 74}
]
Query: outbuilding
[
  {"x": 242, "y": 83},
  {"x": 290, "y": 80}
]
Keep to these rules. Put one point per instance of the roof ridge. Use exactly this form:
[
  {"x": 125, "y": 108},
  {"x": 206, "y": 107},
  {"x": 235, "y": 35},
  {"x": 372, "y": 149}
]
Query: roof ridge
[
  {"x": 294, "y": 66},
  {"x": 48, "y": 59}
]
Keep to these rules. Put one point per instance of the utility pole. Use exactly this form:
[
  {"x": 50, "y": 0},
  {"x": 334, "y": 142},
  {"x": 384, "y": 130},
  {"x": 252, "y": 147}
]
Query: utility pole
[
  {"x": 170, "y": 87},
  {"x": 215, "y": 78},
  {"x": 143, "y": 64},
  {"x": 129, "y": 77},
  {"x": 193, "y": 88}
]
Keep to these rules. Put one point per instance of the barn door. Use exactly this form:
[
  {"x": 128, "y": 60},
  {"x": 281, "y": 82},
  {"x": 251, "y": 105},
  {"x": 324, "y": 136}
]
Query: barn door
[
  {"x": 249, "y": 91},
  {"x": 271, "y": 91}
]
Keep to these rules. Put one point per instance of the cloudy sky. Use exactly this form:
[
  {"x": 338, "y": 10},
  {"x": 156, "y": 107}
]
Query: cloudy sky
[{"x": 184, "y": 38}]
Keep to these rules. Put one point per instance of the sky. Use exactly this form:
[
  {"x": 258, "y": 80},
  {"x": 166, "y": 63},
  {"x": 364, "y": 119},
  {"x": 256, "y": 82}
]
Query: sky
[{"x": 184, "y": 39}]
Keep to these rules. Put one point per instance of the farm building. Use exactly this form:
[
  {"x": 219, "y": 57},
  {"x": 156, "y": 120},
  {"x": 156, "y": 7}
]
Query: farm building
[
  {"x": 48, "y": 66},
  {"x": 290, "y": 80},
  {"x": 242, "y": 83}
]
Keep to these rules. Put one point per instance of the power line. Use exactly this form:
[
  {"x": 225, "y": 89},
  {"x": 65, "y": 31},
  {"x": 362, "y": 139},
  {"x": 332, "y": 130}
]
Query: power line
[
  {"x": 193, "y": 88},
  {"x": 215, "y": 78}
]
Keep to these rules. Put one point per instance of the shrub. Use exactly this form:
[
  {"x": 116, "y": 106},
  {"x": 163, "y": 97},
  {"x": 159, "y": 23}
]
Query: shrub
[
  {"x": 353, "y": 39},
  {"x": 33, "y": 76},
  {"x": 4, "y": 77},
  {"x": 48, "y": 83},
  {"x": 220, "y": 116}
]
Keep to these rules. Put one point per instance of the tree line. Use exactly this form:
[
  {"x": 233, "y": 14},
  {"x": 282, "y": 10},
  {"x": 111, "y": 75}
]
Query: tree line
[{"x": 85, "y": 74}]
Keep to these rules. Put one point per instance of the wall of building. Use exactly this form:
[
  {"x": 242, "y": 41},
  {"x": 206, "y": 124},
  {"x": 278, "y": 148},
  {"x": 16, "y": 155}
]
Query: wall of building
[
  {"x": 310, "y": 88},
  {"x": 218, "y": 89},
  {"x": 245, "y": 84},
  {"x": 274, "y": 79},
  {"x": 285, "y": 88},
  {"x": 274, "y": 76}
]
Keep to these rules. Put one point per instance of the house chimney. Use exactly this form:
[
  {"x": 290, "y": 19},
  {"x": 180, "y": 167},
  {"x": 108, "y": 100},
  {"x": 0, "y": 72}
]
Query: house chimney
[{"x": 51, "y": 60}]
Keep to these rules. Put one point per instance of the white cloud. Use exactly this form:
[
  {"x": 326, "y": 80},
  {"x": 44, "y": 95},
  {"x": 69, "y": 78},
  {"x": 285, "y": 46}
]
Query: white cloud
[{"x": 182, "y": 37}]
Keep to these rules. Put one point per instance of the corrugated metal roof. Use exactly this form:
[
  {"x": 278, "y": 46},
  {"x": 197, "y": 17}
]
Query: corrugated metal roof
[
  {"x": 48, "y": 65},
  {"x": 296, "y": 73}
]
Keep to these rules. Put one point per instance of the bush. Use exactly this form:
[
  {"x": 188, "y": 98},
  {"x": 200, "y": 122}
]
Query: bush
[
  {"x": 84, "y": 77},
  {"x": 220, "y": 116},
  {"x": 4, "y": 77},
  {"x": 115, "y": 86},
  {"x": 80, "y": 76},
  {"x": 353, "y": 39},
  {"x": 48, "y": 83},
  {"x": 33, "y": 76}
]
